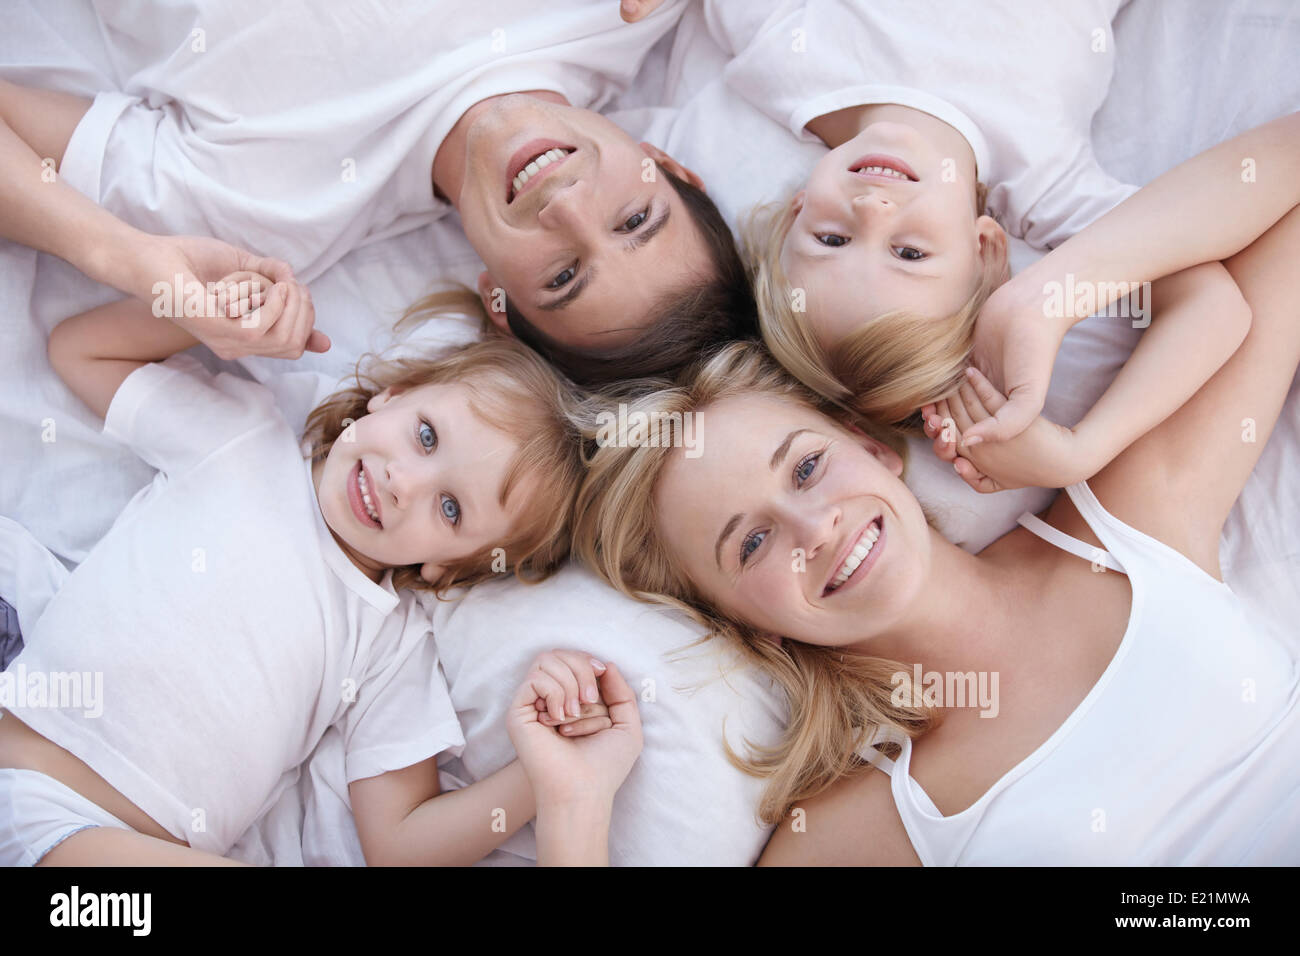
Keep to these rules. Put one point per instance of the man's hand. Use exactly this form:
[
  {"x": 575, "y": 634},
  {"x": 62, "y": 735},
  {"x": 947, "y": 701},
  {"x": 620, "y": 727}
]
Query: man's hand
[{"x": 283, "y": 325}]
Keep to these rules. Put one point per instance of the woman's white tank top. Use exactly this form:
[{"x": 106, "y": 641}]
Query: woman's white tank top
[{"x": 1186, "y": 751}]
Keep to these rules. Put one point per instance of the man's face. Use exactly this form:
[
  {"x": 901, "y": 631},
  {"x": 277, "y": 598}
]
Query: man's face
[{"x": 584, "y": 243}]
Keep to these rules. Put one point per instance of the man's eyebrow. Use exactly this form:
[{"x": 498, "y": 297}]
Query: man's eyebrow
[
  {"x": 575, "y": 290},
  {"x": 636, "y": 242},
  {"x": 783, "y": 449},
  {"x": 649, "y": 232},
  {"x": 726, "y": 533}
]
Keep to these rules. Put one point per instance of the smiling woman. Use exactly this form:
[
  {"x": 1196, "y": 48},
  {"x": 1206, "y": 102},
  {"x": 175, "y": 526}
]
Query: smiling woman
[{"x": 794, "y": 535}]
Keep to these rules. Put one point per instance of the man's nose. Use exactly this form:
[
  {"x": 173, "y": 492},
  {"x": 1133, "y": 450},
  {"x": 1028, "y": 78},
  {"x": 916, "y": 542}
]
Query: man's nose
[{"x": 564, "y": 207}]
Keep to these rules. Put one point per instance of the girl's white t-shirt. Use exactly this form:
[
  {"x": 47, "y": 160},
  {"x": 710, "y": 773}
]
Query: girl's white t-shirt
[
  {"x": 218, "y": 630},
  {"x": 302, "y": 130},
  {"x": 1019, "y": 79}
]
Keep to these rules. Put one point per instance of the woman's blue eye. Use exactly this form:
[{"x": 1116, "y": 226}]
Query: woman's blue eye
[
  {"x": 825, "y": 240},
  {"x": 562, "y": 279},
  {"x": 750, "y": 544},
  {"x": 428, "y": 437},
  {"x": 910, "y": 253},
  {"x": 634, "y": 222},
  {"x": 804, "y": 470},
  {"x": 450, "y": 509}
]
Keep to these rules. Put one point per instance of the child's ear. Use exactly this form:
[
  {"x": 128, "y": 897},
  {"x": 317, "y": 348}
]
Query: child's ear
[
  {"x": 993, "y": 248},
  {"x": 882, "y": 452},
  {"x": 493, "y": 295},
  {"x": 380, "y": 399},
  {"x": 432, "y": 573},
  {"x": 796, "y": 204}
]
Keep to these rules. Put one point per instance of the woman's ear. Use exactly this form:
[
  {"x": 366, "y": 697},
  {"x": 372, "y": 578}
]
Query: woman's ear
[
  {"x": 993, "y": 248},
  {"x": 882, "y": 452},
  {"x": 674, "y": 167},
  {"x": 493, "y": 295}
]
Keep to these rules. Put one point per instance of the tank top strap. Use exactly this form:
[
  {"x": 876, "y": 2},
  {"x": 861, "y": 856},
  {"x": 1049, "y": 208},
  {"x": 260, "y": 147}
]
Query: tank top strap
[{"x": 1065, "y": 542}]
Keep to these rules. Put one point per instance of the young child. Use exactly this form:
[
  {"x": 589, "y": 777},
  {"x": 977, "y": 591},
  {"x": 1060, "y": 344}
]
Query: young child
[
  {"x": 252, "y": 597},
  {"x": 962, "y": 126}
]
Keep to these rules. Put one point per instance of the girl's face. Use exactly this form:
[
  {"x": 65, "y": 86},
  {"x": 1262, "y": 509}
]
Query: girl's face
[
  {"x": 886, "y": 222},
  {"x": 418, "y": 481},
  {"x": 774, "y": 523}
]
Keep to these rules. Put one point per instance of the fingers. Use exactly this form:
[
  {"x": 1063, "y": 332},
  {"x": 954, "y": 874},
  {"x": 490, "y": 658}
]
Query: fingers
[
  {"x": 620, "y": 699},
  {"x": 989, "y": 396},
  {"x": 576, "y": 673},
  {"x": 633, "y": 10},
  {"x": 585, "y": 726},
  {"x": 975, "y": 478}
]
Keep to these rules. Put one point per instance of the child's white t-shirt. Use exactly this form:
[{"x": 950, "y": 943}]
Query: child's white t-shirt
[
  {"x": 1019, "y": 79},
  {"x": 298, "y": 130},
  {"x": 224, "y": 625}
]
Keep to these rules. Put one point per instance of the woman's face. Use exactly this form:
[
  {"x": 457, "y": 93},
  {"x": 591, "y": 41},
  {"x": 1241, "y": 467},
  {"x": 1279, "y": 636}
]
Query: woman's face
[{"x": 781, "y": 504}]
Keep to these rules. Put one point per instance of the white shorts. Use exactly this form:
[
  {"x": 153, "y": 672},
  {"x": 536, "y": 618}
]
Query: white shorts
[{"x": 37, "y": 813}]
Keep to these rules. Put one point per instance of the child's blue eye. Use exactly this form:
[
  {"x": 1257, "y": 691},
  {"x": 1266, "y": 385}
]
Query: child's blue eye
[
  {"x": 450, "y": 509},
  {"x": 750, "y": 544},
  {"x": 825, "y": 240},
  {"x": 427, "y": 436}
]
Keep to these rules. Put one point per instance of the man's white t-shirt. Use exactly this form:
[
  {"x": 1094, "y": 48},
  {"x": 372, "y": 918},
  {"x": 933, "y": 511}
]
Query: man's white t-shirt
[
  {"x": 226, "y": 627},
  {"x": 301, "y": 130},
  {"x": 1019, "y": 79}
]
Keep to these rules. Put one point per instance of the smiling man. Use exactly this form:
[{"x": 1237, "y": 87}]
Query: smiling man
[{"x": 304, "y": 130}]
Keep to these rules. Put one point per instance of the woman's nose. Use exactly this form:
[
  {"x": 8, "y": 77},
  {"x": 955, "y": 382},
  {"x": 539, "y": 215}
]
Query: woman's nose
[{"x": 814, "y": 527}]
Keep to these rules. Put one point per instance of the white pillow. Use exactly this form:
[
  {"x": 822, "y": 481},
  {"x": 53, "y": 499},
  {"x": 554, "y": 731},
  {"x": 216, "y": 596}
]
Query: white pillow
[{"x": 683, "y": 803}]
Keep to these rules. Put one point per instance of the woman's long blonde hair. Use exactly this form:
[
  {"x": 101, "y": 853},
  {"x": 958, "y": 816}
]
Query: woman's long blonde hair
[
  {"x": 885, "y": 369},
  {"x": 836, "y": 699},
  {"x": 514, "y": 390}
]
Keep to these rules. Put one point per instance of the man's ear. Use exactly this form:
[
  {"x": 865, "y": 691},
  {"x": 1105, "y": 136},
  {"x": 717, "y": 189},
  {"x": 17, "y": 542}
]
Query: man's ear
[
  {"x": 882, "y": 452},
  {"x": 993, "y": 248},
  {"x": 674, "y": 167},
  {"x": 493, "y": 295}
]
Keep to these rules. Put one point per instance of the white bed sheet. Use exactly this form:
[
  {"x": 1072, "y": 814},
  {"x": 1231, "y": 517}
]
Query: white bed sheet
[{"x": 1189, "y": 74}]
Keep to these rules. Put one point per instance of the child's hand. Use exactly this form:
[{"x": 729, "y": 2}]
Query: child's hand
[
  {"x": 1043, "y": 455},
  {"x": 588, "y": 768},
  {"x": 1015, "y": 348},
  {"x": 282, "y": 326},
  {"x": 595, "y": 718}
]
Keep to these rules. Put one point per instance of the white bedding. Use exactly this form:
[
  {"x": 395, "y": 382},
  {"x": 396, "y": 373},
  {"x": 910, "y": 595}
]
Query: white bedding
[{"x": 1188, "y": 75}]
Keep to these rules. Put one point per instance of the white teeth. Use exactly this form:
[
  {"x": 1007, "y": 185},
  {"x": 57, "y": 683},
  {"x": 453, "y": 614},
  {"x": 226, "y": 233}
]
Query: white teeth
[
  {"x": 365, "y": 494},
  {"x": 536, "y": 165},
  {"x": 856, "y": 557},
  {"x": 885, "y": 171}
]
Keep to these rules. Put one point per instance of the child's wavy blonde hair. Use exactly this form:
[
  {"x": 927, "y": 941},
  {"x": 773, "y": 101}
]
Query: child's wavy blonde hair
[
  {"x": 887, "y": 368},
  {"x": 512, "y": 389},
  {"x": 836, "y": 699}
]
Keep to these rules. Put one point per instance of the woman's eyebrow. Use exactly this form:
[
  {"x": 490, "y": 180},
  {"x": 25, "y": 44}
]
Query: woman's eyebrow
[
  {"x": 778, "y": 456},
  {"x": 783, "y": 449},
  {"x": 726, "y": 533}
]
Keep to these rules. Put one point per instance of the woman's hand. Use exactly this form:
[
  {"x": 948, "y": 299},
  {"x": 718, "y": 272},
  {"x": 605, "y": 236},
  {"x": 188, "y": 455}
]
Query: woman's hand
[
  {"x": 1044, "y": 455},
  {"x": 1015, "y": 348},
  {"x": 183, "y": 275},
  {"x": 585, "y": 770}
]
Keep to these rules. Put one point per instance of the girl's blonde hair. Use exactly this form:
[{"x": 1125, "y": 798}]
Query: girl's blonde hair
[
  {"x": 888, "y": 367},
  {"x": 836, "y": 699},
  {"x": 512, "y": 389}
]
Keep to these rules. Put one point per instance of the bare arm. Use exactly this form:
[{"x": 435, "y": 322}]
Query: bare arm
[
  {"x": 95, "y": 351},
  {"x": 853, "y": 823},
  {"x": 403, "y": 820},
  {"x": 1181, "y": 479}
]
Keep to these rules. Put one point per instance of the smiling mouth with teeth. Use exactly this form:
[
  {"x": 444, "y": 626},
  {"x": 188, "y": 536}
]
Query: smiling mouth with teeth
[
  {"x": 856, "y": 557},
  {"x": 535, "y": 166},
  {"x": 364, "y": 488}
]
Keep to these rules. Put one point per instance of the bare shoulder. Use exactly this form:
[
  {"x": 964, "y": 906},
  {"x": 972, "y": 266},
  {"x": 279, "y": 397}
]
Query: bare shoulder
[{"x": 852, "y": 823}]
